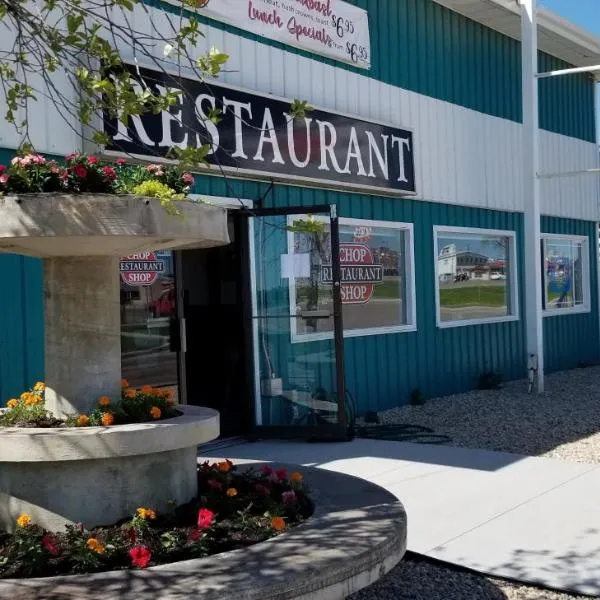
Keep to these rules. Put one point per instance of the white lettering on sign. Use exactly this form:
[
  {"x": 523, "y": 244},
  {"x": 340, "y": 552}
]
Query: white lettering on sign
[
  {"x": 141, "y": 268},
  {"x": 332, "y": 28}
]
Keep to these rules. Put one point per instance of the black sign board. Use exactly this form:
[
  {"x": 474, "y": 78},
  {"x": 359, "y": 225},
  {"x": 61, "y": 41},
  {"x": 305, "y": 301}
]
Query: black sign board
[{"x": 257, "y": 136}]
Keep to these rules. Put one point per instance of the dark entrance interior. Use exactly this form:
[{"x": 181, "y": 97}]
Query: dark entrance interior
[{"x": 217, "y": 360}]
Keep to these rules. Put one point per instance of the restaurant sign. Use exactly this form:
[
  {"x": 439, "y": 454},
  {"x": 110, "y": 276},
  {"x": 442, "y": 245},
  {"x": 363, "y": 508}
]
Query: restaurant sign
[
  {"x": 332, "y": 28},
  {"x": 257, "y": 136},
  {"x": 359, "y": 273},
  {"x": 141, "y": 269}
]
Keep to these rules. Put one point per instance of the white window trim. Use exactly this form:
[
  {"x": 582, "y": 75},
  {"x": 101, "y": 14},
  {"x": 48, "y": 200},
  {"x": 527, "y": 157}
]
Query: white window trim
[
  {"x": 411, "y": 308},
  {"x": 513, "y": 281},
  {"x": 586, "y": 307}
]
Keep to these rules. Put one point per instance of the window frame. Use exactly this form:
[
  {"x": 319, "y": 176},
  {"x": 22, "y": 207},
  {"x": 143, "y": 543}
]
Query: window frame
[
  {"x": 586, "y": 307},
  {"x": 512, "y": 280},
  {"x": 411, "y": 307}
]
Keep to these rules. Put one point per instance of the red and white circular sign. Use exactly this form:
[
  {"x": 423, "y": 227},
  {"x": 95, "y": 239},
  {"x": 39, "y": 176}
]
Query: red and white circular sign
[
  {"x": 141, "y": 269},
  {"x": 359, "y": 273}
]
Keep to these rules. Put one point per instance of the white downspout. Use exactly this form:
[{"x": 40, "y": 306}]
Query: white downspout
[{"x": 531, "y": 197}]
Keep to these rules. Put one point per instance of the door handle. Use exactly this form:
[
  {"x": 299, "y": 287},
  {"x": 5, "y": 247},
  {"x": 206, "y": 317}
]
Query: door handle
[{"x": 183, "y": 335}]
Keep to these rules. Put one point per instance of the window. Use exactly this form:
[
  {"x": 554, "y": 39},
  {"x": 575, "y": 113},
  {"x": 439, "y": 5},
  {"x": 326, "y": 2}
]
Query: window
[
  {"x": 566, "y": 274},
  {"x": 476, "y": 276},
  {"x": 377, "y": 264}
]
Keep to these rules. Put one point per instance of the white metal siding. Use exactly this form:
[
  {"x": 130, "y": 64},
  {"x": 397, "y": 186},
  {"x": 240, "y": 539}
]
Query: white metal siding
[{"x": 462, "y": 156}]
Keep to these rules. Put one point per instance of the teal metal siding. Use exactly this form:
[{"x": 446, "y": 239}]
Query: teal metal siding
[
  {"x": 572, "y": 340},
  {"x": 421, "y": 46},
  {"x": 21, "y": 321},
  {"x": 382, "y": 370}
]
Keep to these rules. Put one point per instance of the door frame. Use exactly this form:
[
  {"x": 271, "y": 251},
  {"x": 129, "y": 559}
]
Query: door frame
[{"x": 334, "y": 431}]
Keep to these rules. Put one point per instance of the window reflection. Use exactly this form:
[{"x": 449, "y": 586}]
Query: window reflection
[
  {"x": 473, "y": 276},
  {"x": 563, "y": 273}
]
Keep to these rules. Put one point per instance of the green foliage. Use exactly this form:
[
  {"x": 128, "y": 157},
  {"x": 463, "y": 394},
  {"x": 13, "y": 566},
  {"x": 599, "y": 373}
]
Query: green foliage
[{"x": 157, "y": 189}]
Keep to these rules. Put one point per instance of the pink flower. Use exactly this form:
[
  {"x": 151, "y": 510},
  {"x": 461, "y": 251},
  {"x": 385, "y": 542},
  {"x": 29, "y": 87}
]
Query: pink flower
[
  {"x": 120, "y": 162},
  {"x": 80, "y": 171},
  {"x": 195, "y": 535},
  {"x": 205, "y": 518},
  {"x": 266, "y": 470},
  {"x": 140, "y": 556},
  {"x": 155, "y": 170},
  {"x": 64, "y": 174},
  {"x": 71, "y": 157},
  {"x": 54, "y": 167},
  {"x": 214, "y": 485},
  {"x": 92, "y": 160},
  {"x": 187, "y": 178},
  {"x": 49, "y": 545},
  {"x": 38, "y": 159},
  {"x": 281, "y": 474},
  {"x": 262, "y": 490},
  {"x": 3, "y": 179},
  {"x": 2, "y": 169},
  {"x": 288, "y": 498},
  {"x": 109, "y": 173},
  {"x": 22, "y": 161}
]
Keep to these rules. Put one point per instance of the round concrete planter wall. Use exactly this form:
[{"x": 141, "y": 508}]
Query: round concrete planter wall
[
  {"x": 98, "y": 475},
  {"x": 357, "y": 534}
]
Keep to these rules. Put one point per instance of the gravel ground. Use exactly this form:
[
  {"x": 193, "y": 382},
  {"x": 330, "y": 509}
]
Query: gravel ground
[
  {"x": 415, "y": 579},
  {"x": 562, "y": 423}
]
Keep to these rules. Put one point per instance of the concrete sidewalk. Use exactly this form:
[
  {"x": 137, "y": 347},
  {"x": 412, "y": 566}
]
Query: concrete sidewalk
[{"x": 531, "y": 519}]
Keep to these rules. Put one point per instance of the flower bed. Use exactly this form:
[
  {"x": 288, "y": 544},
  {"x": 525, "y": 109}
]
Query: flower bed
[
  {"x": 134, "y": 406},
  {"x": 86, "y": 174},
  {"x": 232, "y": 510}
]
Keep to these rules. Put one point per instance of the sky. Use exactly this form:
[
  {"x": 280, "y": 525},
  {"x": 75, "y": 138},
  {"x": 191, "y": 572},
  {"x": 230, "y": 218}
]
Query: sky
[{"x": 585, "y": 13}]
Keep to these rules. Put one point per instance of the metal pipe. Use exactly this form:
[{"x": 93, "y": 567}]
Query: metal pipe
[{"x": 571, "y": 71}]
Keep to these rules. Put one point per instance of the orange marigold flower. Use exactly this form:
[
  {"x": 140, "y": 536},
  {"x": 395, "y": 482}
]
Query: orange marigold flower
[
  {"x": 83, "y": 420},
  {"x": 130, "y": 394},
  {"x": 277, "y": 523},
  {"x": 104, "y": 401},
  {"x": 24, "y": 520},
  {"x": 295, "y": 476},
  {"x": 107, "y": 419},
  {"x": 95, "y": 546},
  {"x": 124, "y": 383},
  {"x": 155, "y": 412},
  {"x": 147, "y": 389},
  {"x": 35, "y": 399},
  {"x": 40, "y": 386},
  {"x": 231, "y": 492},
  {"x": 224, "y": 466},
  {"x": 146, "y": 513},
  {"x": 12, "y": 403},
  {"x": 171, "y": 402}
]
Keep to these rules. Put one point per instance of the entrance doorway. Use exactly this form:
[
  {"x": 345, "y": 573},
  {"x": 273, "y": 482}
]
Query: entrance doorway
[{"x": 216, "y": 360}]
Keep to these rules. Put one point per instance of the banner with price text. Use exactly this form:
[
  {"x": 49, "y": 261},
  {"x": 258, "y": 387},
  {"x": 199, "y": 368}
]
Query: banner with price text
[{"x": 332, "y": 28}]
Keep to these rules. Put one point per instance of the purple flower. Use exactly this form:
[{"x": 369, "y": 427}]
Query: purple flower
[{"x": 288, "y": 497}]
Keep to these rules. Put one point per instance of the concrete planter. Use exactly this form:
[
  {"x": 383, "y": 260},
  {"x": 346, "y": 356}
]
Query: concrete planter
[
  {"x": 99, "y": 475},
  {"x": 356, "y": 535},
  {"x": 51, "y": 225},
  {"x": 96, "y": 475}
]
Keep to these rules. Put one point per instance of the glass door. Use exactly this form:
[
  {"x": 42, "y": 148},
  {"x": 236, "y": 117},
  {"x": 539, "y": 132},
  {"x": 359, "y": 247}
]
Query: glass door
[{"x": 297, "y": 322}]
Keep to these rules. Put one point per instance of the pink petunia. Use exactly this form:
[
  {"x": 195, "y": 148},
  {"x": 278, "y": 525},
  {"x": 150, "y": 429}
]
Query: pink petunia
[
  {"x": 38, "y": 159},
  {"x": 120, "y": 162},
  {"x": 49, "y": 545},
  {"x": 3, "y": 179},
  {"x": 92, "y": 160},
  {"x": 109, "y": 172}
]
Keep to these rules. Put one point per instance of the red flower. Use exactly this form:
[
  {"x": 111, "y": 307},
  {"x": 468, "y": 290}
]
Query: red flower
[
  {"x": 281, "y": 474},
  {"x": 109, "y": 173},
  {"x": 2, "y": 169},
  {"x": 140, "y": 556},
  {"x": 92, "y": 160},
  {"x": 64, "y": 174},
  {"x": 187, "y": 178},
  {"x": 205, "y": 518},
  {"x": 266, "y": 470},
  {"x": 49, "y": 545},
  {"x": 120, "y": 162},
  {"x": 3, "y": 179},
  {"x": 195, "y": 535},
  {"x": 80, "y": 171},
  {"x": 72, "y": 156}
]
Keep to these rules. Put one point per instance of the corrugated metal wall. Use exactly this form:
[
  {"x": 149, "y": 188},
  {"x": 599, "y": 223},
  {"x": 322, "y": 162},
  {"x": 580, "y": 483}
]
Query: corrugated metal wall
[
  {"x": 382, "y": 370},
  {"x": 572, "y": 340},
  {"x": 21, "y": 321},
  {"x": 421, "y": 46}
]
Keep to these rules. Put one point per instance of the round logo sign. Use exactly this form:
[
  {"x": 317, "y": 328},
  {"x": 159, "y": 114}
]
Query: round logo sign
[
  {"x": 141, "y": 269},
  {"x": 358, "y": 271}
]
